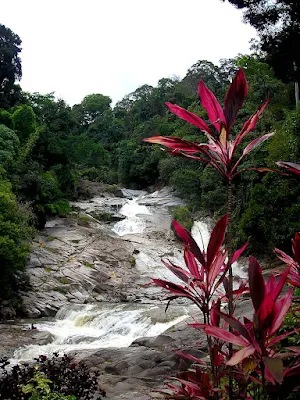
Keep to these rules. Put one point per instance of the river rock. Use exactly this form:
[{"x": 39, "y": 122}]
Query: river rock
[
  {"x": 14, "y": 336},
  {"x": 71, "y": 262},
  {"x": 7, "y": 311}
]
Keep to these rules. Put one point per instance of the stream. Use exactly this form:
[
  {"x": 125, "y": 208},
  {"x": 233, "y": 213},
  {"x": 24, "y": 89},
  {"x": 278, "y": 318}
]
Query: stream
[{"x": 104, "y": 325}]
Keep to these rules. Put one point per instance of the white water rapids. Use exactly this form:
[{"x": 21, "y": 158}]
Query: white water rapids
[{"x": 93, "y": 326}]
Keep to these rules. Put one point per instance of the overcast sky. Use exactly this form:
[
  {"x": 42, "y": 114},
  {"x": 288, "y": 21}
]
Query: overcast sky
[{"x": 79, "y": 47}]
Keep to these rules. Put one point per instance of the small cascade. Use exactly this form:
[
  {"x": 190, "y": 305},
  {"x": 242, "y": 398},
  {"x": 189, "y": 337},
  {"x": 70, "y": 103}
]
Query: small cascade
[
  {"x": 92, "y": 326},
  {"x": 132, "y": 224}
]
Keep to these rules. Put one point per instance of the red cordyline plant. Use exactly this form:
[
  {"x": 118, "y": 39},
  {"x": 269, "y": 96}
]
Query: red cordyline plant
[
  {"x": 220, "y": 151},
  {"x": 294, "y": 263},
  {"x": 202, "y": 278},
  {"x": 257, "y": 358},
  {"x": 204, "y": 274},
  {"x": 256, "y": 340},
  {"x": 205, "y": 270}
]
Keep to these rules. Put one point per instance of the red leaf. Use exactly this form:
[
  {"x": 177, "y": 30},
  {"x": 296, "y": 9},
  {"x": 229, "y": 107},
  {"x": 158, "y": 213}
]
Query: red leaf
[
  {"x": 192, "y": 265},
  {"x": 240, "y": 355},
  {"x": 258, "y": 169},
  {"x": 189, "y": 117},
  {"x": 278, "y": 339},
  {"x": 216, "y": 239},
  {"x": 296, "y": 247},
  {"x": 189, "y": 241},
  {"x": 255, "y": 143},
  {"x": 238, "y": 253},
  {"x": 266, "y": 311},
  {"x": 172, "y": 287},
  {"x": 179, "y": 272},
  {"x": 281, "y": 308},
  {"x": 275, "y": 293},
  {"x": 211, "y": 105},
  {"x": 256, "y": 283},
  {"x": 190, "y": 357},
  {"x": 283, "y": 257},
  {"x": 237, "y": 325},
  {"x": 295, "y": 370},
  {"x": 249, "y": 125},
  {"x": 292, "y": 167},
  {"x": 215, "y": 314},
  {"x": 235, "y": 97},
  {"x": 224, "y": 335},
  {"x": 174, "y": 143}
]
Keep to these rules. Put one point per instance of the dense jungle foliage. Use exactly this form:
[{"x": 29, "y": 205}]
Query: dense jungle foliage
[{"x": 47, "y": 147}]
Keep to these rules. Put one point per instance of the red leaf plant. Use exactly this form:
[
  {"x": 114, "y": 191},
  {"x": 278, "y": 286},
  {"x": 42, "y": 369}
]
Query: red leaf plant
[
  {"x": 201, "y": 282},
  {"x": 255, "y": 340},
  {"x": 205, "y": 270},
  {"x": 220, "y": 151},
  {"x": 293, "y": 263}
]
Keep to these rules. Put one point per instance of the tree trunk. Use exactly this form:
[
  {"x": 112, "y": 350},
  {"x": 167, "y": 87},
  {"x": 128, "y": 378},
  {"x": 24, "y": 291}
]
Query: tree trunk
[{"x": 297, "y": 93}]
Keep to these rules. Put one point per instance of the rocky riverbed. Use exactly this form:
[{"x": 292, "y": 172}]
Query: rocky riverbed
[{"x": 88, "y": 274}]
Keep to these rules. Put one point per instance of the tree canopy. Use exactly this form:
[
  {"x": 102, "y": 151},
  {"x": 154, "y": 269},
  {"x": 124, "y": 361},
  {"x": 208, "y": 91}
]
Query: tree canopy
[
  {"x": 278, "y": 25},
  {"x": 10, "y": 65}
]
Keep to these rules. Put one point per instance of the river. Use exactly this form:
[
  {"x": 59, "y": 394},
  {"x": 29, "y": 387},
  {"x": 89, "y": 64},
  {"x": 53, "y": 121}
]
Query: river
[{"x": 101, "y": 325}]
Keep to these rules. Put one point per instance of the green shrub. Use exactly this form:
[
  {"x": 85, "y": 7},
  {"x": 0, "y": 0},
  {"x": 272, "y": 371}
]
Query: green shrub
[
  {"x": 61, "y": 208},
  {"x": 15, "y": 233},
  {"x": 62, "y": 376},
  {"x": 183, "y": 216},
  {"x": 38, "y": 388}
]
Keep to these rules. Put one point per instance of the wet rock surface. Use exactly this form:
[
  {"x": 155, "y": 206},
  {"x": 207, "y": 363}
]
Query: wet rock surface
[
  {"x": 79, "y": 261},
  {"x": 14, "y": 335},
  {"x": 140, "y": 370}
]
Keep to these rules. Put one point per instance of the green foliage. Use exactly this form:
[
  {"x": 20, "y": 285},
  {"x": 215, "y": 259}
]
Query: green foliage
[
  {"x": 137, "y": 164},
  {"x": 286, "y": 142},
  {"x": 60, "y": 207},
  {"x": 38, "y": 388},
  {"x": 15, "y": 233},
  {"x": 24, "y": 122},
  {"x": 271, "y": 226},
  {"x": 187, "y": 183},
  {"x": 183, "y": 216},
  {"x": 59, "y": 378},
  {"x": 11, "y": 69},
  {"x": 5, "y": 119},
  {"x": 9, "y": 147}
]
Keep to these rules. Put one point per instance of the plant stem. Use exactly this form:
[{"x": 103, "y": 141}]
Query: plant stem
[
  {"x": 230, "y": 248},
  {"x": 230, "y": 277},
  {"x": 263, "y": 379}
]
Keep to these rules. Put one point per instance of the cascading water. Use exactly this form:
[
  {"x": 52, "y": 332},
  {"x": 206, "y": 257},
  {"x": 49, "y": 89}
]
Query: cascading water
[
  {"x": 94, "y": 326},
  {"x": 132, "y": 223}
]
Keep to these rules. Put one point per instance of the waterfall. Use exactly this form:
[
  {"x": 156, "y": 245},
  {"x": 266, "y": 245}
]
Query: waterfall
[
  {"x": 93, "y": 326},
  {"x": 132, "y": 223}
]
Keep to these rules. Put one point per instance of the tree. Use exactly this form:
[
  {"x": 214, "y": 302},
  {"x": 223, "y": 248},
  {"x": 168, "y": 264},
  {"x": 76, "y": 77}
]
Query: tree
[
  {"x": 14, "y": 236},
  {"x": 278, "y": 25},
  {"x": 91, "y": 107},
  {"x": 10, "y": 65},
  {"x": 9, "y": 146},
  {"x": 24, "y": 122}
]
